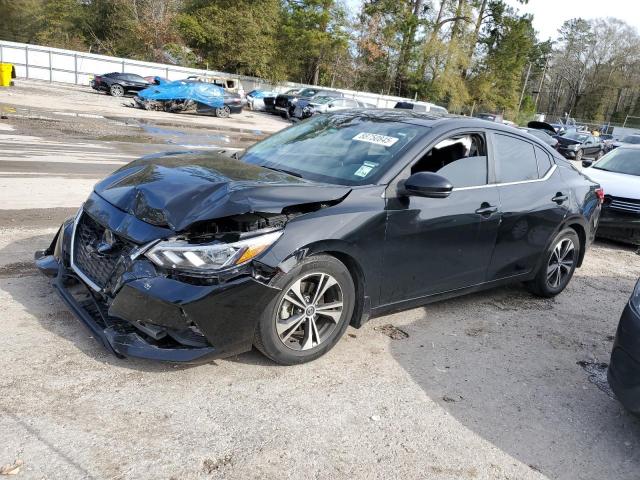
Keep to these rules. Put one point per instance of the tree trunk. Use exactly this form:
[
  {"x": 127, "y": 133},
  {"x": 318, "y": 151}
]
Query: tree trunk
[
  {"x": 405, "y": 49},
  {"x": 432, "y": 37},
  {"x": 474, "y": 39},
  {"x": 455, "y": 32}
]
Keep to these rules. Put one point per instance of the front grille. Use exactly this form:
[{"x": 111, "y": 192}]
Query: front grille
[
  {"x": 624, "y": 204},
  {"x": 98, "y": 266},
  {"x": 269, "y": 101}
]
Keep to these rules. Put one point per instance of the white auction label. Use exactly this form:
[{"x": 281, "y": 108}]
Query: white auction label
[{"x": 376, "y": 139}]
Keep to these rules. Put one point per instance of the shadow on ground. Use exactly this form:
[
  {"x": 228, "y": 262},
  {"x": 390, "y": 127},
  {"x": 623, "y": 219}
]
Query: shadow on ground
[{"x": 504, "y": 364}]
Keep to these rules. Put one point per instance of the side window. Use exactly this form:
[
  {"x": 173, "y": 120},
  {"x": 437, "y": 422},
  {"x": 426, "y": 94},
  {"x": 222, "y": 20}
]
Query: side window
[
  {"x": 350, "y": 103},
  {"x": 544, "y": 162},
  {"x": 515, "y": 159},
  {"x": 461, "y": 159}
]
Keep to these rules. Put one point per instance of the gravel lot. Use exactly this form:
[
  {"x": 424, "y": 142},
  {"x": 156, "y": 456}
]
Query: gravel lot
[{"x": 488, "y": 386}]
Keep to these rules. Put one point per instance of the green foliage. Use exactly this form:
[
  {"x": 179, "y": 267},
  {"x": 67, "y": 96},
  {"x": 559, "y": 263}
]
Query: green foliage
[
  {"x": 237, "y": 36},
  {"x": 468, "y": 55}
]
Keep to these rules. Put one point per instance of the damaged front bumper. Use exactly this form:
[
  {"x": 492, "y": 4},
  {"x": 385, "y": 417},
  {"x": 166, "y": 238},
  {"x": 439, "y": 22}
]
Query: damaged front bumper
[{"x": 144, "y": 312}]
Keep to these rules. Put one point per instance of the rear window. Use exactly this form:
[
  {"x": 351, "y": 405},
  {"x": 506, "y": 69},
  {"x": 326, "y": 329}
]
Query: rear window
[
  {"x": 635, "y": 139},
  {"x": 515, "y": 159},
  {"x": 544, "y": 162}
]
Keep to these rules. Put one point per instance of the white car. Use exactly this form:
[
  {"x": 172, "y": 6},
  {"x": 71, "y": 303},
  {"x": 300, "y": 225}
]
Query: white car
[
  {"x": 618, "y": 173},
  {"x": 255, "y": 99},
  {"x": 306, "y": 108}
]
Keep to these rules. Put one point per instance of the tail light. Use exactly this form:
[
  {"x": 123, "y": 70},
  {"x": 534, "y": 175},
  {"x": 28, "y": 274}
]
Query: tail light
[{"x": 600, "y": 195}]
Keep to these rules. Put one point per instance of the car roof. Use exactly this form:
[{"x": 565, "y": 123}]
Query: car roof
[{"x": 427, "y": 119}]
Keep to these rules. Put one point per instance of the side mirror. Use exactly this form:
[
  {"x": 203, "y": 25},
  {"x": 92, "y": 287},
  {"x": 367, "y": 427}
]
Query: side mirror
[
  {"x": 587, "y": 163},
  {"x": 426, "y": 184}
]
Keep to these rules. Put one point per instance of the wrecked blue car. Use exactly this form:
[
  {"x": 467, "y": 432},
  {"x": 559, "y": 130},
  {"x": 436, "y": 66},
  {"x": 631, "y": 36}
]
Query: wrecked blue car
[{"x": 184, "y": 95}]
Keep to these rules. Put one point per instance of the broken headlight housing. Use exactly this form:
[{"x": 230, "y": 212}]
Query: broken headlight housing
[{"x": 209, "y": 257}]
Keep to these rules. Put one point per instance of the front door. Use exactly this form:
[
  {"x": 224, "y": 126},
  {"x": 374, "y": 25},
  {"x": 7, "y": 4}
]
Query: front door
[{"x": 434, "y": 245}]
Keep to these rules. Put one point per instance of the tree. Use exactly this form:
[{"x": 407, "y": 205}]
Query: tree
[{"x": 237, "y": 36}]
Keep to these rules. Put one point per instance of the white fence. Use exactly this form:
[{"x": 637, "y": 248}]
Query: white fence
[{"x": 67, "y": 66}]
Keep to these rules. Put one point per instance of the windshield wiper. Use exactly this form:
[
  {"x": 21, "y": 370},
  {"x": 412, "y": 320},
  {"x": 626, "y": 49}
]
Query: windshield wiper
[{"x": 282, "y": 170}]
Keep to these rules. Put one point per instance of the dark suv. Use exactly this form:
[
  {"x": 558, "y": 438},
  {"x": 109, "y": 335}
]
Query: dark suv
[
  {"x": 285, "y": 102},
  {"x": 117, "y": 84}
]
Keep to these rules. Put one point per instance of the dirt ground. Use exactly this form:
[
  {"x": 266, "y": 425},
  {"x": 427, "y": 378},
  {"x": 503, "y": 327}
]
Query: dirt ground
[{"x": 496, "y": 385}]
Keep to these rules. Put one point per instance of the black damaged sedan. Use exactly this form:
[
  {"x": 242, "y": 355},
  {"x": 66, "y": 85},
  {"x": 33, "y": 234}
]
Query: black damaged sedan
[{"x": 190, "y": 256}]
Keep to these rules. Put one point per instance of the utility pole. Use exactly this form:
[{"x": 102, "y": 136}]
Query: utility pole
[{"x": 524, "y": 87}]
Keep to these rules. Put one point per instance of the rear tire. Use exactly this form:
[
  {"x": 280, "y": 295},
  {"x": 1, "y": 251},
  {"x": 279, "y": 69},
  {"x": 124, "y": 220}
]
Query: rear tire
[
  {"x": 559, "y": 263},
  {"x": 116, "y": 90},
  {"x": 222, "y": 112},
  {"x": 296, "y": 327}
]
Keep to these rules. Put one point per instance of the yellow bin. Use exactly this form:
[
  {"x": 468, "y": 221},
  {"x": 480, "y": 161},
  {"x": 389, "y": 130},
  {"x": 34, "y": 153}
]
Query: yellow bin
[{"x": 5, "y": 74}]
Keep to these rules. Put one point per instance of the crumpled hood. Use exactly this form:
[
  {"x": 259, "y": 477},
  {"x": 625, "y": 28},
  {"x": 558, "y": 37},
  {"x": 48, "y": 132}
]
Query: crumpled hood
[{"x": 177, "y": 190}]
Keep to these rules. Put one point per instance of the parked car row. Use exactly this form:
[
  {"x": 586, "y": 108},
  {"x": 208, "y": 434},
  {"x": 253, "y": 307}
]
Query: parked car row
[{"x": 206, "y": 95}]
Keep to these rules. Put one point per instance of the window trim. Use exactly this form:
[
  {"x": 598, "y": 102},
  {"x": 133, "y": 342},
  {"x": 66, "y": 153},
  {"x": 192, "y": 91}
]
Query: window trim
[
  {"x": 546, "y": 177},
  {"x": 493, "y": 150},
  {"x": 405, "y": 171}
]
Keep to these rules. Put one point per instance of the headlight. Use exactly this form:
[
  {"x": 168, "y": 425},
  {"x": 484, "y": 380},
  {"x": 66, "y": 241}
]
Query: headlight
[
  {"x": 181, "y": 255},
  {"x": 573, "y": 147}
]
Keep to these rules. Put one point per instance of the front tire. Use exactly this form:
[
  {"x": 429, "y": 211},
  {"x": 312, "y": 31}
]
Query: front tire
[
  {"x": 599, "y": 155},
  {"x": 310, "y": 314},
  {"x": 560, "y": 261},
  {"x": 579, "y": 156},
  {"x": 116, "y": 90}
]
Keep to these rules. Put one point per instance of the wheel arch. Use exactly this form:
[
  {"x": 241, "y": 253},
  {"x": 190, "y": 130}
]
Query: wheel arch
[
  {"x": 582, "y": 235},
  {"x": 349, "y": 256}
]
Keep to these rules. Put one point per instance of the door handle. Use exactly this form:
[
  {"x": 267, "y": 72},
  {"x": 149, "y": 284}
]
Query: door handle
[
  {"x": 560, "y": 198},
  {"x": 485, "y": 209}
]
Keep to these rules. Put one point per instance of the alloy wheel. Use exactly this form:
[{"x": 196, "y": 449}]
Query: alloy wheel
[
  {"x": 116, "y": 90},
  {"x": 309, "y": 311},
  {"x": 223, "y": 112},
  {"x": 560, "y": 263}
]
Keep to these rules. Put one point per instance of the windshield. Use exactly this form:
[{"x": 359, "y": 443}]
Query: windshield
[
  {"x": 308, "y": 92},
  {"x": 339, "y": 148},
  {"x": 580, "y": 137},
  {"x": 635, "y": 139},
  {"x": 621, "y": 160},
  {"x": 323, "y": 100}
]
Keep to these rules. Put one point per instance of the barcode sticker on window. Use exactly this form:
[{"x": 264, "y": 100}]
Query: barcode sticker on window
[{"x": 376, "y": 139}]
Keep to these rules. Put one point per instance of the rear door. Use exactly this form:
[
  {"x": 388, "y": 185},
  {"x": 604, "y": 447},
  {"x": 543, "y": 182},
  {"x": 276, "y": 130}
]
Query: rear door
[{"x": 534, "y": 201}]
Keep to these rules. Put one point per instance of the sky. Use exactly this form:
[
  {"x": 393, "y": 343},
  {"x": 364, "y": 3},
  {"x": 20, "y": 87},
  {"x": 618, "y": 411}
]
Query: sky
[{"x": 549, "y": 15}]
